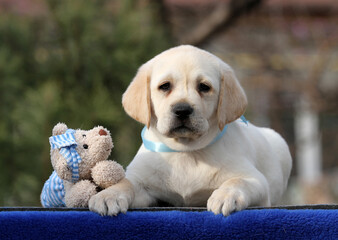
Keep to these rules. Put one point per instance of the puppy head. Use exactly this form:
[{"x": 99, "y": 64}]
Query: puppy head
[{"x": 185, "y": 94}]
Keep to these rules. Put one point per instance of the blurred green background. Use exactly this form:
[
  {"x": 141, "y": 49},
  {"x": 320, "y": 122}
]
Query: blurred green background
[
  {"x": 71, "y": 60},
  {"x": 71, "y": 64}
]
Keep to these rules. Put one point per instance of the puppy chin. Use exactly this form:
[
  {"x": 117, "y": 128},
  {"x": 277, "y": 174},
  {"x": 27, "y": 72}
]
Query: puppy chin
[
  {"x": 187, "y": 138},
  {"x": 183, "y": 132}
]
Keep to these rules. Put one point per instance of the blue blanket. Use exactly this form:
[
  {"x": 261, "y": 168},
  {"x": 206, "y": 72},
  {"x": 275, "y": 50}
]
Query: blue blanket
[{"x": 169, "y": 224}]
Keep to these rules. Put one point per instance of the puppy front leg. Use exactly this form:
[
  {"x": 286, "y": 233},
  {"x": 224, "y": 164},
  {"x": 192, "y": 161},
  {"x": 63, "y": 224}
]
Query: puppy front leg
[
  {"x": 238, "y": 193},
  {"x": 119, "y": 197},
  {"x": 142, "y": 197},
  {"x": 114, "y": 199}
]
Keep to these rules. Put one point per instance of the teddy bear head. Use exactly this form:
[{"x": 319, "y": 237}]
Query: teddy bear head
[{"x": 92, "y": 146}]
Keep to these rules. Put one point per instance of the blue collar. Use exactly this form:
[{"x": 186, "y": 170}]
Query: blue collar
[{"x": 161, "y": 147}]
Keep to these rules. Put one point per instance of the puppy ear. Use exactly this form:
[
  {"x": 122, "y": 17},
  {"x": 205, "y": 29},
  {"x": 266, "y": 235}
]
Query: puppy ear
[
  {"x": 232, "y": 99},
  {"x": 136, "y": 99}
]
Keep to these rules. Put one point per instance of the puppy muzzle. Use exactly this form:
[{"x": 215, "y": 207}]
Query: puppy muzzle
[
  {"x": 182, "y": 119},
  {"x": 182, "y": 111}
]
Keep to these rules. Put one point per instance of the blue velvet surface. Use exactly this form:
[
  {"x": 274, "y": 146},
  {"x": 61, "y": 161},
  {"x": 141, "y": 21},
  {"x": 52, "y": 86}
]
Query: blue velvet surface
[{"x": 247, "y": 224}]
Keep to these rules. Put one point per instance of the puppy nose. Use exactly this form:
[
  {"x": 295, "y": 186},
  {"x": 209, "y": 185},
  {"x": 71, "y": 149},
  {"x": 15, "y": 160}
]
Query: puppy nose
[
  {"x": 182, "y": 110},
  {"x": 102, "y": 132}
]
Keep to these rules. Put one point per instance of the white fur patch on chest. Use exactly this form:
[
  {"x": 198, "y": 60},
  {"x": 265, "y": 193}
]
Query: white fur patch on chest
[{"x": 184, "y": 180}]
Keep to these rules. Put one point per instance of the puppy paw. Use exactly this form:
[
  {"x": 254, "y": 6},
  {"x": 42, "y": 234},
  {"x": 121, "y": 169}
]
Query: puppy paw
[
  {"x": 226, "y": 201},
  {"x": 108, "y": 202}
]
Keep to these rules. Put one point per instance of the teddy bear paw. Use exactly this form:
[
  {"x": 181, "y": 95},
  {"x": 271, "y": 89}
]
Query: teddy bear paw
[{"x": 107, "y": 173}]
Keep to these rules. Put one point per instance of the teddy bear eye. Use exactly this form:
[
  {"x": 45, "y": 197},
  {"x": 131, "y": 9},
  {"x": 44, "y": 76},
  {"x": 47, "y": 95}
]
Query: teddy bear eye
[
  {"x": 85, "y": 146},
  {"x": 84, "y": 135}
]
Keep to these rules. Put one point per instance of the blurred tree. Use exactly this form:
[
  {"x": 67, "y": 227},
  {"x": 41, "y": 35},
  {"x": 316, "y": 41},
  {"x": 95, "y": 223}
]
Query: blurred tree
[{"x": 69, "y": 64}]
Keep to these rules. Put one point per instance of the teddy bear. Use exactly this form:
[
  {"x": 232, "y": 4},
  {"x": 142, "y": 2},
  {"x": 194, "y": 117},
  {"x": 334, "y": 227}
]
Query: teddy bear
[{"x": 81, "y": 168}]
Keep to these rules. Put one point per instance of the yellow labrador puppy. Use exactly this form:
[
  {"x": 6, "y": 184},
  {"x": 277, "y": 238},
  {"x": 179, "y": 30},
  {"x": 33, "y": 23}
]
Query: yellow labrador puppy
[{"x": 196, "y": 151}]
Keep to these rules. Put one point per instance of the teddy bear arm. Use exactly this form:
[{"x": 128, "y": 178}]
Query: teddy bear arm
[
  {"x": 60, "y": 165},
  {"x": 107, "y": 173}
]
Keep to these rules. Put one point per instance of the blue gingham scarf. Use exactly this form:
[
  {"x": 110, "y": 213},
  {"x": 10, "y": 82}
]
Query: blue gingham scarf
[
  {"x": 53, "y": 191},
  {"x": 67, "y": 145}
]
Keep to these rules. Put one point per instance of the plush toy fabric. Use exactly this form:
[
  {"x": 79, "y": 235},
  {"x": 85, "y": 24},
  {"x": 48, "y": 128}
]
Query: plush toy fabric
[
  {"x": 79, "y": 159},
  {"x": 53, "y": 192}
]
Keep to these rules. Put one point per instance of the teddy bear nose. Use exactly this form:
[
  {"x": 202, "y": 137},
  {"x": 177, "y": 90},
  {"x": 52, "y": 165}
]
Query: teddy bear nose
[{"x": 102, "y": 132}]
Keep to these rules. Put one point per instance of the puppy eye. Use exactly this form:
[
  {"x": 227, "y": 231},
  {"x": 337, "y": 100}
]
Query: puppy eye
[
  {"x": 85, "y": 146},
  {"x": 165, "y": 87},
  {"x": 84, "y": 135},
  {"x": 203, "y": 88}
]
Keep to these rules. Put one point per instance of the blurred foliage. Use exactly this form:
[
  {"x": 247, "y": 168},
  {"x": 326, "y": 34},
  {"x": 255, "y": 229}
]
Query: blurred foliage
[{"x": 70, "y": 64}]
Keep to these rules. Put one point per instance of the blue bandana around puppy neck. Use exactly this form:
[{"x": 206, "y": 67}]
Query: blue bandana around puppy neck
[
  {"x": 161, "y": 147},
  {"x": 53, "y": 192}
]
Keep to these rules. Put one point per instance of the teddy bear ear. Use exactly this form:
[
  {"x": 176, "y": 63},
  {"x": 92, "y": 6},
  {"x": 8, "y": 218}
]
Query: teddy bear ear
[
  {"x": 103, "y": 131},
  {"x": 59, "y": 129}
]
